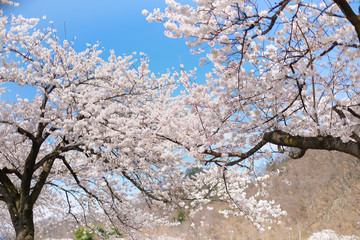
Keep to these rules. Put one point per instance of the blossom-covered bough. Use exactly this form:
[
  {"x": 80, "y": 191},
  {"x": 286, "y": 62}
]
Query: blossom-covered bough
[
  {"x": 285, "y": 73},
  {"x": 91, "y": 142}
]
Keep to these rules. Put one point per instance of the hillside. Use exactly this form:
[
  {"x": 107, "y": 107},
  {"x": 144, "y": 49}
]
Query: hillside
[{"x": 319, "y": 191}]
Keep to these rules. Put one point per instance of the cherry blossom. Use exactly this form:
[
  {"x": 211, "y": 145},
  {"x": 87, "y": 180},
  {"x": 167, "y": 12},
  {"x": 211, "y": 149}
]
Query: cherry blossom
[
  {"x": 285, "y": 73},
  {"x": 106, "y": 139},
  {"x": 330, "y": 235},
  {"x": 90, "y": 144}
]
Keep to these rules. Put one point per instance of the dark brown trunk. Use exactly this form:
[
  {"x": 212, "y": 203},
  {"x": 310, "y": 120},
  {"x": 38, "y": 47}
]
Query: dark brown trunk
[
  {"x": 24, "y": 228},
  {"x": 24, "y": 224}
]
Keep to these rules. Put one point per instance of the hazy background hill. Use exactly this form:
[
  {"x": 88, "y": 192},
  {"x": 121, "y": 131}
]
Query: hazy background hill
[{"x": 319, "y": 191}]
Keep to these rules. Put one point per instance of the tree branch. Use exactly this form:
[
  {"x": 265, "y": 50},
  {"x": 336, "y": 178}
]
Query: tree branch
[
  {"x": 77, "y": 179},
  {"x": 8, "y": 186},
  {"x": 26, "y": 133},
  {"x": 12, "y": 171},
  {"x": 147, "y": 193},
  {"x": 3, "y": 194},
  {"x": 349, "y": 14},
  {"x": 41, "y": 181},
  {"x": 282, "y": 138},
  {"x": 58, "y": 150},
  {"x": 353, "y": 112},
  {"x": 241, "y": 156}
]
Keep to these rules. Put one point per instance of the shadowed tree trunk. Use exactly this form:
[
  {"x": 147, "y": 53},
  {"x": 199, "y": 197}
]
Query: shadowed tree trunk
[
  {"x": 24, "y": 226},
  {"x": 20, "y": 208}
]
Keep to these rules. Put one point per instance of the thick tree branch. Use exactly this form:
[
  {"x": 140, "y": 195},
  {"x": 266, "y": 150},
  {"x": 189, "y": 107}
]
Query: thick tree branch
[
  {"x": 28, "y": 174},
  {"x": 12, "y": 171},
  {"x": 41, "y": 181},
  {"x": 320, "y": 142},
  {"x": 26, "y": 133},
  {"x": 3, "y": 194},
  {"x": 353, "y": 112},
  {"x": 339, "y": 112},
  {"x": 8, "y": 186},
  {"x": 241, "y": 156},
  {"x": 349, "y": 14},
  {"x": 10, "y": 196},
  {"x": 20, "y": 130},
  {"x": 58, "y": 150},
  {"x": 41, "y": 126}
]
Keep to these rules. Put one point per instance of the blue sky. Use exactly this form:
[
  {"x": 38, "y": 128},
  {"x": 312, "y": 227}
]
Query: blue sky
[{"x": 116, "y": 24}]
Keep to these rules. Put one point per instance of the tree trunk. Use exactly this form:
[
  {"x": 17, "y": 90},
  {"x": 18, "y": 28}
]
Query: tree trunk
[
  {"x": 24, "y": 226},
  {"x": 25, "y": 233}
]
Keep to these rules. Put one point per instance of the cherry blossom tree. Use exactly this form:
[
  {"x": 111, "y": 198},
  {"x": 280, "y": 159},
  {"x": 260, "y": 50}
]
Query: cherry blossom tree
[
  {"x": 86, "y": 121},
  {"x": 284, "y": 72},
  {"x": 91, "y": 142}
]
